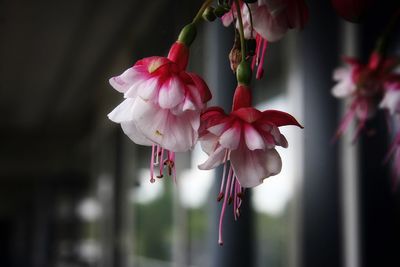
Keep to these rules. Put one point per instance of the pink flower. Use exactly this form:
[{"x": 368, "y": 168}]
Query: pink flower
[
  {"x": 244, "y": 141},
  {"x": 272, "y": 18},
  {"x": 365, "y": 85},
  {"x": 162, "y": 105}
]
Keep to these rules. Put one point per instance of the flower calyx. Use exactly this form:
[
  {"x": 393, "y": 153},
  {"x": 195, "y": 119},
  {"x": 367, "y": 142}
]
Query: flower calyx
[
  {"x": 188, "y": 34},
  {"x": 243, "y": 73}
]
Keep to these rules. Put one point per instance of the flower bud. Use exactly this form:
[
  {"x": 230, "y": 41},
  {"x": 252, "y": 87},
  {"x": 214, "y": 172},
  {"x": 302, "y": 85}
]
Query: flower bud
[
  {"x": 188, "y": 34},
  {"x": 243, "y": 73},
  {"x": 208, "y": 14}
]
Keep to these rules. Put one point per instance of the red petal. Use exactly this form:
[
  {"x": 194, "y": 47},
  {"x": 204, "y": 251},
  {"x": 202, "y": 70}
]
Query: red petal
[
  {"x": 152, "y": 63},
  {"x": 210, "y": 117},
  {"x": 280, "y": 118},
  {"x": 249, "y": 115},
  {"x": 201, "y": 86},
  {"x": 212, "y": 111}
]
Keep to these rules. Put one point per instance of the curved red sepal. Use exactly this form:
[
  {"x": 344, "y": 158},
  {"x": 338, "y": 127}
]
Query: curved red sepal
[
  {"x": 249, "y": 114},
  {"x": 280, "y": 118},
  {"x": 201, "y": 85}
]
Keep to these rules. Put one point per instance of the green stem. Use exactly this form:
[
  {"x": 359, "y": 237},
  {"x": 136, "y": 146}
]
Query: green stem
[
  {"x": 201, "y": 11},
  {"x": 241, "y": 31}
]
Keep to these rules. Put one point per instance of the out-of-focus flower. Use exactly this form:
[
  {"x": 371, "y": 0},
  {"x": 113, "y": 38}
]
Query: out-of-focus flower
[
  {"x": 394, "y": 154},
  {"x": 244, "y": 141},
  {"x": 365, "y": 85},
  {"x": 352, "y": 10},
  {"x": 391, "y": 98},
  {"x": 162, "y": 105},
  {"x": 272, "y": 18}
]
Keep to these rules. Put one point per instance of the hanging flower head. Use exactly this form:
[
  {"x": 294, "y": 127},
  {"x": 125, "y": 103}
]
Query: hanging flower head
[
  {"x": 162, "y": 103},
  {"x": 365, "y": 85},
  {"x": 244, "y": 141}
]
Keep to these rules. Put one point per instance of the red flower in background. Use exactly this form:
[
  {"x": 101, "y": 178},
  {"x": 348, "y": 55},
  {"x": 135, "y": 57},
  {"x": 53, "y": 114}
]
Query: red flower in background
[{"x": 352, "y": 10}]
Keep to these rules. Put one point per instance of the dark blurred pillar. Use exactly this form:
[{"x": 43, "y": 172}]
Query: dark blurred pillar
[
  {"x": 238, "y": 236},
  {"x": 380, "y": 205},
  {"x": 320, "y": 222}
]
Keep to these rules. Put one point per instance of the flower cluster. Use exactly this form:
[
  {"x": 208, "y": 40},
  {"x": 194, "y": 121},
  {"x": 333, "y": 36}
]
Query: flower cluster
[
  {"x": 369, "y": 87},
  {"x": 165, "y": 105}
]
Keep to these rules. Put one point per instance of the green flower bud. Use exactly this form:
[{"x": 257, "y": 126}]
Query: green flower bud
[
  {"x": 188, "y": 34},
  {"x": 243, "y": 73}
]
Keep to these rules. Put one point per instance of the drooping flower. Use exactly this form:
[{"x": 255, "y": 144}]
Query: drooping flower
[
  {"x": 162, "y": 105},
  {"x": 244, "y": 141},
  {"x": 365, "y": 85},
  {"x": 268, "y": 21}
]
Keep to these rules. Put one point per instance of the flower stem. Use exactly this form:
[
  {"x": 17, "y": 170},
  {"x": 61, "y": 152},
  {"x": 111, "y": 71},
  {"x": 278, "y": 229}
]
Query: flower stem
[
  {"x": 241, "y": 31},
  {"x": 201, "y": 11}
]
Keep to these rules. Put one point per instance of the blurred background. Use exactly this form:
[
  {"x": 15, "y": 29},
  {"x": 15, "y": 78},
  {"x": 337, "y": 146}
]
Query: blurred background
[{"x": 75, "y": 191}]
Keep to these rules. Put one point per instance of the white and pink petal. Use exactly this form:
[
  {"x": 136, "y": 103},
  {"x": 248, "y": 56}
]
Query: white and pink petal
[
  {"x": 253, "y": 138},
  {"x": 215, "y": 159},
  {"x": 231, "y": 137},
  {"x": 123, "y": 112},
  {"x": 252, "y": 167},
  {"x": 134, "y": 134},
  {"x": 171, "y": 93}
]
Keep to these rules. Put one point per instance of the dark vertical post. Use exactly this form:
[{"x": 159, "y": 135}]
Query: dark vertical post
[
  {"x": 320, "y": 237},
  {"x": 118, "y": 199},
  {"x": 238, "y": 239}
]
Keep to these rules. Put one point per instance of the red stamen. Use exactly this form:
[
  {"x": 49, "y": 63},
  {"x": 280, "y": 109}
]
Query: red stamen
[
  {"x": 152, "y": 180},
  {"x": 260, "y": 70},
  {"x": 221, "y": 218}
]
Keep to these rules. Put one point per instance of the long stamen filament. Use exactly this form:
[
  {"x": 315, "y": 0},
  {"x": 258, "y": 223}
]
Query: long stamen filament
[
  {"x": 221, "y": 218},
  {"x": 152, "y": 180}
]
